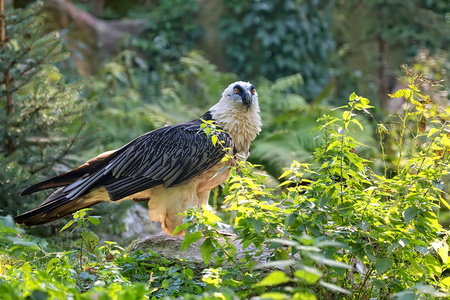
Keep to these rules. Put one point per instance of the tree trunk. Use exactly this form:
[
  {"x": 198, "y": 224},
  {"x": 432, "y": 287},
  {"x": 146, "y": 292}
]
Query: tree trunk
[{"x": 10, "y": 148}]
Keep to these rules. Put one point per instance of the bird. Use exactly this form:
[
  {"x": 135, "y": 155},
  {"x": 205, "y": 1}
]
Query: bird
[{"x": 173, "y": 167}]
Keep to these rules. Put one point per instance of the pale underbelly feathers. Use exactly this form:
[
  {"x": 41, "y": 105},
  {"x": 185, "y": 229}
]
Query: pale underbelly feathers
[{"x": 166, "y": 203}]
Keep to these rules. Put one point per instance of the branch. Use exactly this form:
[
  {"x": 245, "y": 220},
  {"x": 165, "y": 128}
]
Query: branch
[{"x": 108, "y": 33}]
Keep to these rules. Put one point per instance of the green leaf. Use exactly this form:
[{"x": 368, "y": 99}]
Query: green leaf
[
  {"x": 257, "y": 225},
  {"x": 277, "y": 263},
  {"x": 379, "y": 283},
  {"x": 281, "y": 254},
  {"x": 405, "y": 295},
  {"x": 333, "y": 145},
  {"x": 81, "y": 213},
  {"x": 273, "y": 296},
  {"x": 206, "y": 249},
  {"x": 190, "y": 239},
  {"x": 308, "y": 274},
  {"x": 291, "y": 219},
  {"x": 432, "y": 131},
  {"x": 94, "y": 220},
  {"x": 304, "y": 296},
  {"x": 334, "y": 287},
  {"x": 180, "y": 228},
  {"x": 446, "y": 281},
  {"x": 443, "y": 252},
  {"x": 285, "y": 173},
  {"x": 410, "y": 214},
  {"x": 443, "y": 201},
  {"x": 67, "y": 225},
  {"x": 214, "y": 139},
  {"x": 382, "y": 265},
  {"x": 90, "y": 239},
  {"x": 188, "y": 272},
  {"x": 212, "y": 218},
  {"x": 329, "y": 262},
  {"x": 357, "y": 123},
  {"x": 274, "y": 278},
  {"x": 346, "y": 116},
  {"x": 21, "y": 242},
  {"x": 398, "y": 94}
]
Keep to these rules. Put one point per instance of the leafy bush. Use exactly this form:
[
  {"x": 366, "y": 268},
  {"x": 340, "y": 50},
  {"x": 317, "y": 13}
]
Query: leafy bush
[{"x": 340, "y": 225}]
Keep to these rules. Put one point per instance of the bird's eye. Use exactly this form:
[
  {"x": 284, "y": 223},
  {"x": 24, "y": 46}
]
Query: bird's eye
[
  {"x": 235, "y": 90},
  {"x": 253, "y": 91}
]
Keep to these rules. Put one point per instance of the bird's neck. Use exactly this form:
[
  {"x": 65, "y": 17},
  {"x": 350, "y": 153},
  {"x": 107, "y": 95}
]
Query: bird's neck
[{"x": 242, "y": 124}]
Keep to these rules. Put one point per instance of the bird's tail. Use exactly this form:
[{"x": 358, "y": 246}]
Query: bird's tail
[{"x": 55, "y": 207}]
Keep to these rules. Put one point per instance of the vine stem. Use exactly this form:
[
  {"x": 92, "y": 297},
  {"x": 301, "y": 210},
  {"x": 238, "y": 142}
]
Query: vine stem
[{"x": 402, "y": 133}]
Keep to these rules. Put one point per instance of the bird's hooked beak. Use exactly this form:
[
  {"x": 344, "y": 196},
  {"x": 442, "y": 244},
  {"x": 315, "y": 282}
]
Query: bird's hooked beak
[{"x": 246, "y": 98}]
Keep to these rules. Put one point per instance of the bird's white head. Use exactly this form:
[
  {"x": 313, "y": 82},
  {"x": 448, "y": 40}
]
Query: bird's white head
[
  {"x": 241, "y": 93},
  {"x": 237, "y": 112}
]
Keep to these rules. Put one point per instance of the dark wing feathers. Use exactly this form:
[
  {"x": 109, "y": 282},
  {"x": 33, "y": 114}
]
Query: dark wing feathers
[{"x": 169, "y": 155}]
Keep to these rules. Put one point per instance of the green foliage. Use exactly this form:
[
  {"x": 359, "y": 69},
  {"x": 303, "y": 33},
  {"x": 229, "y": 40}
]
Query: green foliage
[
  {"x": 288, "y": 123},
  {"x": 170, "y": 34},
  {"x": 164, "y": 277},
  {"x": 340, "y": 226},
  {"x": 37, "y": 106},
  {"x": 108, "y": 272},
  {"x": 275, "y": 39},
  {"x": 88, "y": 238}
]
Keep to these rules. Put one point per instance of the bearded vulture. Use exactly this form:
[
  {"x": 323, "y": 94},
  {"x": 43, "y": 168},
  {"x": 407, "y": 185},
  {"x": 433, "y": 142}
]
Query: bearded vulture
[{"x": 174, "y": 167}]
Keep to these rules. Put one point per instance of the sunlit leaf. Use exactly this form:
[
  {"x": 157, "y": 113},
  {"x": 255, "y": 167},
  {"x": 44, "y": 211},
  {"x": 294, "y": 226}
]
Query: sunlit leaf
[
  {"x": 308, "y": 274},
  {"x": 274, "y": 296},
  {"x": 274, "y": 278},
  {"x": 443, "y": 252},
  {"x": 67, "y": 225}
]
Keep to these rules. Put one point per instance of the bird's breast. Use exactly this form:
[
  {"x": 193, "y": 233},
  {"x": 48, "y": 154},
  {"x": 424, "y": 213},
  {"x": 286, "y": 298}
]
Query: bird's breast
[{"x": 213, "y": 177}]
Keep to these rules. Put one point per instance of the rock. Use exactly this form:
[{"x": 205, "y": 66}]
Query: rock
[
  {"x": 137, "y": 223},
  {"x": 170, "y": 248}
]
